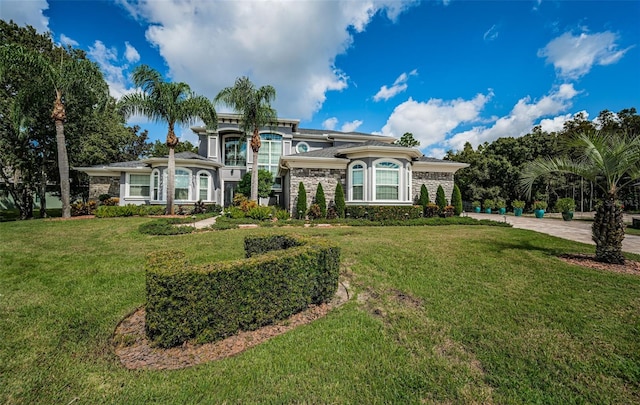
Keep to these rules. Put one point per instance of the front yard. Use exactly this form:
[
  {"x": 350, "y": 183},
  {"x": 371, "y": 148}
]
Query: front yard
[{"x": 447, "y": 314}]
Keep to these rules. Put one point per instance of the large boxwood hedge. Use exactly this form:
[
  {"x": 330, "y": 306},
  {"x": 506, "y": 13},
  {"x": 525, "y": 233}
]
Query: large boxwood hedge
[{"x": 206, "y": 303}]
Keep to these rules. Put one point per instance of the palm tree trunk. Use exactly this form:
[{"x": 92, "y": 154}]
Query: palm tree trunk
[
  {"x": 608, "y": 231},
  {"x": 255, "y": 147},
  {"x": 172, "y": 141},
  {"x": 58, "y": 116}
]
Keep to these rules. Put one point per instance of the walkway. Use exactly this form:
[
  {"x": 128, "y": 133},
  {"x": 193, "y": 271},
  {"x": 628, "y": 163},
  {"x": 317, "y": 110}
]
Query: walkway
[{"x": 579, "y": 231}]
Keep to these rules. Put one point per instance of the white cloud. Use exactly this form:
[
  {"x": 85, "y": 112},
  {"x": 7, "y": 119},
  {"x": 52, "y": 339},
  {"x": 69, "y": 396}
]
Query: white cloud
[
  {"x": 555, "y": 124},
  {"x": 573, "y": 56},
  {"x": 26, "y": 13},
  {"x": 351, "y": 126},
  {"x": 400, "y": 85},
  {"x": 289, "y": 45},
  {"x": 112, "y": 67},
  {"x": 130, "y": 53},
  {"x": 330, "y": 123},
  {"x": 491, "y": 34},
  {"x": 65, "y": 40},
  {"x": 521, "y": 119},
  {"x": 430, "y": 122}
]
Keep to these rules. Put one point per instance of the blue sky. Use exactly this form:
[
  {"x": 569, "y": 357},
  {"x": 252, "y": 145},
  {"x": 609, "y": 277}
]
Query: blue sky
[{"x": 447, "y": 71}]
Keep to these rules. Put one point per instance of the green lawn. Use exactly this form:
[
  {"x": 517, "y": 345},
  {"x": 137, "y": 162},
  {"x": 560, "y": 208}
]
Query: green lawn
[{"x": 454, "y": 314}]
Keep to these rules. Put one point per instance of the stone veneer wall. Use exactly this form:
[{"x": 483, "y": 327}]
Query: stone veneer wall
[
  {"x": 432, "y": 180},
  {"x": 311, "y": 178},
  {"x": 99, "y": 185}
]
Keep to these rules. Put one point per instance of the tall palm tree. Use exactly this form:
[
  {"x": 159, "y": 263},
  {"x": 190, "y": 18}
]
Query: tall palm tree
[
  {"x": 254, "y": 107},
  {"x": 173, "y": 103},
  {"x": 70, "y": 73},
  {"x": 611, "y": 160}
]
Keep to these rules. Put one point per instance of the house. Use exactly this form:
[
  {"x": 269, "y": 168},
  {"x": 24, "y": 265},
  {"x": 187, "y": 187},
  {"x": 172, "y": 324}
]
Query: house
[{"x": 372, "y": 169}]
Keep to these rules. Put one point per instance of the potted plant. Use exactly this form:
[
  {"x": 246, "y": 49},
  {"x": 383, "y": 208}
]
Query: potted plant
[
  {"x": 476, "y": 206},
  {"x": 501, "y": 204},
  {"x": 566, "y": 207},
  {"x": 539, "y": 207},
  {"x": 518, "y": 206},
  {"x": 489, "y": 205}
]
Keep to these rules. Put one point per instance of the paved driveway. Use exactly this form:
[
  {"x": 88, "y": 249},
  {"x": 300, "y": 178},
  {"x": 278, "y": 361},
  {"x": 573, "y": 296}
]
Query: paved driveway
[{"x": 579, "y": 231}]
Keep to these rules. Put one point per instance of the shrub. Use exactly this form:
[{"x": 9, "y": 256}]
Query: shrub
[
  {"x": 235, "y": 212},
  {"x": 476, "y": 203},
  {"x": 339, "y": 201},
  {"x": 260, "y": 213},
  {"x": 489, "y": 203},
  {"x": 565, "y": 205},
  {"x": 208, "y": 302},
  {"x": 83, "y": 208},
  {"x": 441, "y": 201},
  {"x": 110, "y": 211},
  {"x": 282, "y": 215},
  {"x": 212, "y": 208},
  {"x": 423, "y": 200},
  {"x": 384, "y": 212},
  {"x": 321, "y": 201},
  {"x": 103, "y": 197},
  {"x": 500, "y": 203},
  {"x": 315, "y": 212},
  {"x": 539, "y": 205},
  {"x": 518, "y": 204},
  {"x": 431, "y": 210},
  {"x": 448, "y": 211},
  {"x": 332, "y": 213},
  {"x": 301, "y": 204},
  {"x": 112, "y": 201},
  {"x": 265, "y": 182},
  {"x": 456, "y": 200}
]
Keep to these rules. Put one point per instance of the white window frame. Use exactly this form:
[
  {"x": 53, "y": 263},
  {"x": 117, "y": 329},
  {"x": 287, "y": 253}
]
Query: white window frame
[
  {"x": 199, "y": 176},
  {"x": 266, "y": 143},
  {"x": 374, "y": 181},
  {"x": 155, "y": 174},
  {"x": 166, "y": 176},
  {"x": 409, "y": 175},
  {"x": 129, "y": 184},
  {"x": 364, "y": 180}
]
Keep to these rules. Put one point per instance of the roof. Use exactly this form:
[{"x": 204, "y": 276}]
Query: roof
[{"x": 339, "y": 151}]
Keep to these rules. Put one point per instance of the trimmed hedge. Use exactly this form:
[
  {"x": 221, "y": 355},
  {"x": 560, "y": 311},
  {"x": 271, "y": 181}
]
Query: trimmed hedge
[
  {"x": 206, "y": 303},
  {"x": 384, "y": 212}
]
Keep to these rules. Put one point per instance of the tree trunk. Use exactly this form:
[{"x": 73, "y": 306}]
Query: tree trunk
[
  {"x": 172, "y": 141},
  {"x": 58, "y": 114},
  {"x": 608, "y": 231},
  {"x": 255, "y": 147},
  {"x": 43, "y": 194}
]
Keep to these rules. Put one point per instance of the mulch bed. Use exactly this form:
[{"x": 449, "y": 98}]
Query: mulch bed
[
  {"x": 629, "y": 267},
  {"x": 135, "y": 351}
]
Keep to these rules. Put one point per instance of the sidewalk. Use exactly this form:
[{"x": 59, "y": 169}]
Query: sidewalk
[{"x": 579, "y": 231}]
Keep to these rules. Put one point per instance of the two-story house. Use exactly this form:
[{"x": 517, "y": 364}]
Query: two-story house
[{"x": 372, "y": 169}]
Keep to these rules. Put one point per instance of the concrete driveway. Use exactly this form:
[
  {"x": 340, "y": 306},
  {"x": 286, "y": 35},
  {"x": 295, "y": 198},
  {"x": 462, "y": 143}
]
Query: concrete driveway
[{"x": 579, "y": 231}]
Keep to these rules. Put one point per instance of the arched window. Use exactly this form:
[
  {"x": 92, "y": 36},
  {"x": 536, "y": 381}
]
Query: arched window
[
  {"x": 155, "y": 185},
  {"x": 387, "y": 180},
  {"x": 204, "y": 186},
  {"x": 357, "y": 178}
]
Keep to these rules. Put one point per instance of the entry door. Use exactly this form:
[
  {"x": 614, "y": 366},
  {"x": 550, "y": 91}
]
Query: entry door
[{"x": 229, "y": 192}]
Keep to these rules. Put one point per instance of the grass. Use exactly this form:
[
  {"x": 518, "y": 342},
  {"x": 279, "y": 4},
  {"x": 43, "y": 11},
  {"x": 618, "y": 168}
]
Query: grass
[{"x": 454, "y": 314}]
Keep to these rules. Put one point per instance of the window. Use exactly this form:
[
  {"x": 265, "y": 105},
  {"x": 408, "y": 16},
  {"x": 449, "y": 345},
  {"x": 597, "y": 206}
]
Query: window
[
  {"x": 357, "y": 182},
  {"x": 156, "y": 185},
  {"x": 409, "y": 182},
  {"x": 269, "y": 155},
  {"x": 204, "y": 186},
  {"x": 183, "y": 178},
  {"x": 387, "y": 175},
  {"x": 235, "y": 151},
  {"x": 302, "y": 147},
  {"x": 139, "y": 185}
]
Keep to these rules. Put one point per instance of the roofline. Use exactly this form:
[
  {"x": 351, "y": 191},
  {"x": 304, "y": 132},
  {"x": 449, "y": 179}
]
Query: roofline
[
  {"x": 297, "y": 161},
  {"x": 154, "y": 161},
  {"x": 365, "y": 137},
  {"x": 368, "y": 149},
  {"x": 445, "y": 166}
]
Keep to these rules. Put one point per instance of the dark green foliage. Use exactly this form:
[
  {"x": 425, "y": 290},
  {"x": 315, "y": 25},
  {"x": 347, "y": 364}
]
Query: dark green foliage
[
  {"x": 431, "y": 210},
  {"x": 339, "y": 201},
  {"x": 321, "y": 201},
  {"x": 423, "y": 200},
  {"x": 301, "y": 204},
  {"x": 265, "y": 182},
  {"x": 160, "y": 149},
  {"x": 261, "y": 213},
  {"x": 209, "y": 302},
  {"x": 441, "y": 201},
  {"x": 407, "y": 140},
  {"x": 384, "y": 212},
  {"x": 105, "y": 211},
  {"x": 456, "y": 200},
  {"x": 315, "y": 212}
]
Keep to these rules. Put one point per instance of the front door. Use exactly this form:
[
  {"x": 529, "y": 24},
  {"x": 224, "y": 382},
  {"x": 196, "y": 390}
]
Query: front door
[{"x": 229, "y": 192}]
